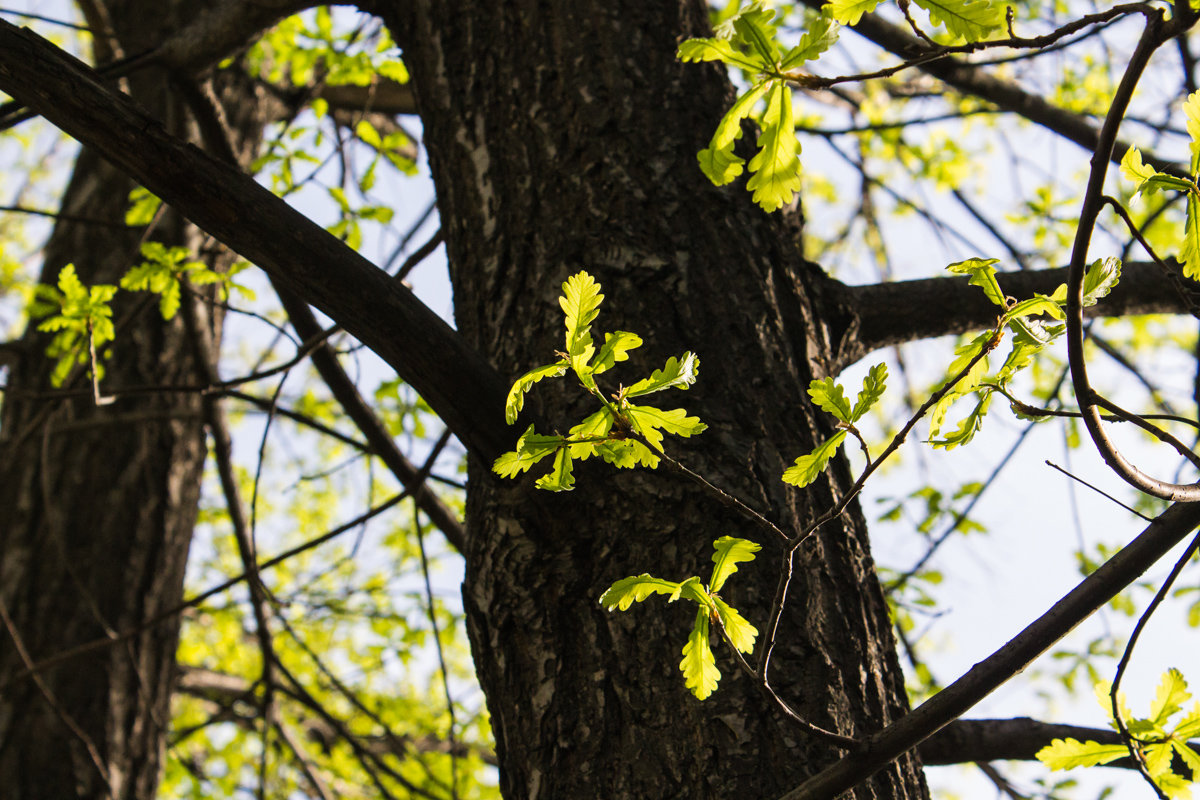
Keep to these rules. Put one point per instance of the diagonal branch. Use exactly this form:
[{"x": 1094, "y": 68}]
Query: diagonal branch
[
  {"x": 883, "y": 747},
  {"x": 456, "y": 381}
]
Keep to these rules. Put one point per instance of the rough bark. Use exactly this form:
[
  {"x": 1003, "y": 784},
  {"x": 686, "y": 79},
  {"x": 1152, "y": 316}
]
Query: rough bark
[
  {"x": 562, "y": 136},
  {"x": 97, "y": 504}
]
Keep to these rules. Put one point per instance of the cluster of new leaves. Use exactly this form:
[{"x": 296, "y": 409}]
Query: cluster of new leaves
[
  {"x": 830, "y": 396},
  {"x": 1162, "y": 745},
  {"x": 623, "y": 433},
  {"x": 164, "y": 269},
  {"x": 1030, "y": 336},
  {"x": 81, "y": 318},
  {"x": 747, "y": 41},
  {"x": 699, "y": 665},
  {"x": 1149, "y": 181}
]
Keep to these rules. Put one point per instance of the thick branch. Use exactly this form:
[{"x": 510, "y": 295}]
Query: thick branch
[
  {"x": 885, "y": 314},
  {"x": 1019, "y": 739},
  {"x": 385, "y": 316}
]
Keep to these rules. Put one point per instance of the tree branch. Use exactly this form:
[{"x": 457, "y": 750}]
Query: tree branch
[
  {"x": 464, "y": 390},
  {"x": 1019, "y": 739},
  {"x": 886, "y": 314}
]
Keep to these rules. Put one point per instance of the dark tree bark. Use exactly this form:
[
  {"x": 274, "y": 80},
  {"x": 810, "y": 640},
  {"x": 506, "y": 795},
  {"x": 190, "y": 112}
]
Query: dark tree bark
[
  {"x": 97, "y": 504},
  {"x": 562, "y": 136}
]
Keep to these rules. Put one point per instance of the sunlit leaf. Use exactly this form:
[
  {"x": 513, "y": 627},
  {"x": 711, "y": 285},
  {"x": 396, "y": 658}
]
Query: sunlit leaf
[
  {"x": 849, "y": 12},
  {"x": 830, "y": 397},
  {"x": 677, "y": 373},
  {"x": 616, "y": 348},
  {"x": 776, "y": 166},
  {"x": 627, "y": 591},
  {"x": 873, "y": 388},
  {"x": 561, "y": 476},
  {"x": 983, "y": 275},
  {"x": 807, "y": 468},
  {"x": 1072, "y": 753},
  {"x": 729, "y": 553},
  {"x": 972, "y": 20},
  {"x": 821, "y": 36},
  {"x": 739, "y": 631},
  {"x": 717, "y": 160},
  {"x": 580, "y": 302},
  {"x": 516, "y": 395},
  {"x": 699, "y": 667}
]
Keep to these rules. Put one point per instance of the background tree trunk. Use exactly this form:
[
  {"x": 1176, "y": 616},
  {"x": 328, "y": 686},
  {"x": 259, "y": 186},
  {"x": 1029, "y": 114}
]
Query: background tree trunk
[
  {"x": 562, "y": 136},
  {"x": 99, "y": 502}
]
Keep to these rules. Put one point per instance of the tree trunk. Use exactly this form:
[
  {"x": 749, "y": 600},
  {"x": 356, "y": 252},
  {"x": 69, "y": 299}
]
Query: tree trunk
[
  {"x": 97, "y": 504},
  {"x": 562, "y": 136}
]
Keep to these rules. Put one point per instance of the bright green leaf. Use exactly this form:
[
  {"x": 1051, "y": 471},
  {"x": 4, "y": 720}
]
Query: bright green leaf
[
  {"x": 829, "y": 395},
  {"x": 580, "y": 302},
  {"x": 874, "y": 385},
  {"x": 720, "y": 50},
  {"x": 516, "y": 395},
  {"x": 699, "y": 667},
  {"x": 776, "y": 166},
  {"x": 677, "y": 373},
  {"x": 972, "y": 20},
  {"x": 739, "y": 631},
  {"x": 1071, "y": 753},
  {"x": 1172, "y": 693},
  {"x": 1191, "y": 111},
  {"x": 531, "y": 448},
  {"x": 729, "y": 553},
  {"x": 755, "y": 28},
  {"x": 616, "y": 348},
  {"x": 628, "y": 591},
  {"x": 969, "y": 426},
  {"x": 1038, "y": 304},
  {"x": 595, "y": 426},
  {"x": 982, "y": 275},
  {"x": 561, "y": 477},
  {"x": 717, "y": 161},
  {"x": 648, "y": 421},
  {"x": 1190, "y": 254},
  {"x": 807, "y": 468},
  {"x": 849, "y": 12},
  {"x": 820, "y": 37}
]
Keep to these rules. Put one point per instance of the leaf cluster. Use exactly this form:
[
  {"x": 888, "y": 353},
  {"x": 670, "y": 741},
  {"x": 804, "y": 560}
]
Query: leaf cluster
[
  {"x": 623, "y": 433},
  {"x": 699, "y": 665},
  {"x": 749, "y": 41},
  {"x": 1031, "y": 333},
  {"x": 830, "y": 396},
  {"x": 164, "y": 270},
  {"x": 81, "y": 319},
  {"x": 1156, "y": 738}
]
